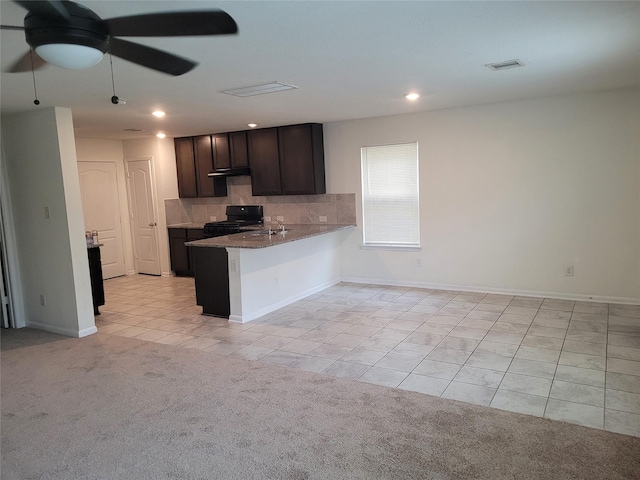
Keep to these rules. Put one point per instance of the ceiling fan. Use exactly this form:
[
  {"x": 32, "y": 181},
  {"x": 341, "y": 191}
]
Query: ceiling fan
[{"x": 70, "y": 35}]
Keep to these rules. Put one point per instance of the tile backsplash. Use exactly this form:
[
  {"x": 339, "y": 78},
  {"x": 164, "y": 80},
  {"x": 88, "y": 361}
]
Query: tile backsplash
[{"x": 339, "y": 208}]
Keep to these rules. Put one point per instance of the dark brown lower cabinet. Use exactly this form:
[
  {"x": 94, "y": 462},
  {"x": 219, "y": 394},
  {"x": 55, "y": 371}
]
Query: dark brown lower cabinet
[
  {"x": 181, "y": 261},
  {"x": 95, "y": 272},
  {"x": 212, "y": 280}
]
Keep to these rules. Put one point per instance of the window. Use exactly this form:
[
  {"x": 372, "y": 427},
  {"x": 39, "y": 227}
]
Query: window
[{"x": 390, "y": 200}]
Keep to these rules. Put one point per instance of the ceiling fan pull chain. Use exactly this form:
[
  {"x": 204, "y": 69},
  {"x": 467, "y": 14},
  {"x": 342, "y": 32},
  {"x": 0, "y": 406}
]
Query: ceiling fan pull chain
[
  {"x": 33, "y": 74},
  {"x": 115, "y": 98}
]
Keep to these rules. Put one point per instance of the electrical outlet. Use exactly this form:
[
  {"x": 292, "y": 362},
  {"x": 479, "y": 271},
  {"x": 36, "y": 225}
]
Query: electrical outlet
[
  {"x": 276, "y": 280},
  {"x": 280, "y": 218},
  {"x": 47, "y": 213},
  {"x": 267, "y": 218},
  {"x": 233, "y": 265},
  {"x": 43, "y": 300},
  {"x": 213, "y": 218},
  {"x": 568, "y": 271},
  {"x": 323, "y": 218},
  {"x": 418, "y": 262}
]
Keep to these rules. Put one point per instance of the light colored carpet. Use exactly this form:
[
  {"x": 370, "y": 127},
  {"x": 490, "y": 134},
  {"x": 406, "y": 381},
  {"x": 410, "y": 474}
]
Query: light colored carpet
[{"x": 107, "y": 407}]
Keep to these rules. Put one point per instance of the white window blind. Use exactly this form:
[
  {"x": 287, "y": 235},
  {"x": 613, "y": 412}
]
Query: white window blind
[{"x": 390, "y": 200}]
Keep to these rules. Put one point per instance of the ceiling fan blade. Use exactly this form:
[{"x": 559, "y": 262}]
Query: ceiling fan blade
[
  {"x": 23, "y": 64},
  {"x": 52, "y": 8},
  {"x": 173, "y": 24},
  {"x": 150, "y": 57}
]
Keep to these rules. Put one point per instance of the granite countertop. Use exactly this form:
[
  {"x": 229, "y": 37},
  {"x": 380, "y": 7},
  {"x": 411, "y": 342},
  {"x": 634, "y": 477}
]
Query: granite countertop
[
  {"x": 195, "y": 226},
  {"x": 255, "y": 240}
]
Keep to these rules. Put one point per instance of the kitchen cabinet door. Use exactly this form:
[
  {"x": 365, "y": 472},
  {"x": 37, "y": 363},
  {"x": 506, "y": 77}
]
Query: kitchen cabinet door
[
  {"x": 264, "y": 161},
  {"x": 238, "y": 149},
  {"x": 220, "y": 145},
  {"x": 95, "y": 275},
  {"x": 185, "y": 163},
  {"x": 212, "y": 280},
  {"x": 301, "y": 154},
  {"x": 193, "y": 234},
  {"x": 194, "y": 161},
  {"x": 204, "y": 165},
  {"x": 178, "y": 251}
]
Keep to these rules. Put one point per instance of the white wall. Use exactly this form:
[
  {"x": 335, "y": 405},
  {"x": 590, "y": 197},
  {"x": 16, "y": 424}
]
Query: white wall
[
  {"x": 100, "y": 150},
  {"x": 42, "y": 172},
  {"x": 164, "y": 161},
  {"x": 510, "y": 194},
  {"x": 264, "y": 280}
]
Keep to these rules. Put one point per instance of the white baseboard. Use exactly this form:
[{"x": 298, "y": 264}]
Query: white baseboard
[
  {"x": 501, "y": 291},
  {"x": 69, "y": 332},
  {"x": 282, "y": 303}
]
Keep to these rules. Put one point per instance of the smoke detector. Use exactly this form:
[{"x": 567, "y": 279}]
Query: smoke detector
[{"x": 504, "y": 65}]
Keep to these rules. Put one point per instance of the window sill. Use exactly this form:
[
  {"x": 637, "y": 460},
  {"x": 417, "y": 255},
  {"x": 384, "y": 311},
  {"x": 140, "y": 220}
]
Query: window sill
[{"x": 397, "y": 248}]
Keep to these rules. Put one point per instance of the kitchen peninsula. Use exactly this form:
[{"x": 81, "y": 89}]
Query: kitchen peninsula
[{"x": 247, "y": 275}]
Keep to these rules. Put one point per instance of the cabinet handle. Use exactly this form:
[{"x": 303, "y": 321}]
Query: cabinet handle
[{"x": 153, "y": 224}]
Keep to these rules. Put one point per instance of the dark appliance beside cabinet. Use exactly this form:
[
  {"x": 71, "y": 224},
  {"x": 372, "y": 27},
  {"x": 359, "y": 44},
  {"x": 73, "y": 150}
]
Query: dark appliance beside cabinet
[
  {"x": 238, "y": 218},
  {"x": 95, "y": 272}
]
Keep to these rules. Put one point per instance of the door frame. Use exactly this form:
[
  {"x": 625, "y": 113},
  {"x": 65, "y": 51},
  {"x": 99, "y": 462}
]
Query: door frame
[
  {"x": 154, "y": 202},
  {"x": 10, "y": 247}
]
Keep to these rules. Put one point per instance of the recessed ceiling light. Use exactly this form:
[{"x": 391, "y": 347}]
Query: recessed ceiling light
[
  {"x": 412, "y": 96},
  {"x": 158, "y": 113},
  {"x": 252, "y": 125},
  {"x": 160, "y": 135}
]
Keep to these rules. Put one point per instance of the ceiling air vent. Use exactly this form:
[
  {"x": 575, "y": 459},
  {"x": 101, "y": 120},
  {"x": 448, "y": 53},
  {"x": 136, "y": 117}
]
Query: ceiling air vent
[
  {"x": 132, "y": 130},
  {"x": 259, "y": 89},
  {"x": 504, "y": 65}
]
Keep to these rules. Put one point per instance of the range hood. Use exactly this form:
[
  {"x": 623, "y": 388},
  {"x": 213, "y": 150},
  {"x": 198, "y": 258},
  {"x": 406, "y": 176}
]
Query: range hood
[{"x": 229, "y": 172}]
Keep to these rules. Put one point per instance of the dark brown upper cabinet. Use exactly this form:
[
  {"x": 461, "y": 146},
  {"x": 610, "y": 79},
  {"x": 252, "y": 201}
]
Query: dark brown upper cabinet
[
  {"x": 185, "y": 162},
  {"x": 194, "y": 160},
  {"x": 238, "y": 149},
  {"x": 301, "y": 159},
  {"x": 264, "y": 161},
  {"x": 287, "y": 160},
  {"x": 221, "y": 155}
]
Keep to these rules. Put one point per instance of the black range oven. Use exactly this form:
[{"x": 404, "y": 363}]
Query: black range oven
[{"x": 238, "y": 218}]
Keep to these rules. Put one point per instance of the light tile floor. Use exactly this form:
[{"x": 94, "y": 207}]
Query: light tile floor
[{"x": 573, "y": 361}]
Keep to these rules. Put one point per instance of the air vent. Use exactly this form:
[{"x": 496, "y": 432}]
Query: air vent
[
  {"x": 259, "y": 89},
  {"x": 504, "y": 65},
  {"x": 132, "y": 130}
]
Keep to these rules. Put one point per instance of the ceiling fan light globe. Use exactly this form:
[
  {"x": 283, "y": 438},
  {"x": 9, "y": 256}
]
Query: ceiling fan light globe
[{"x": 71, "y": 56}]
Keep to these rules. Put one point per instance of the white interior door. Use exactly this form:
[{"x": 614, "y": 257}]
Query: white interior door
[
  {"x": 101, "y": 209},
  {"x": 142, "y": 206}
]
